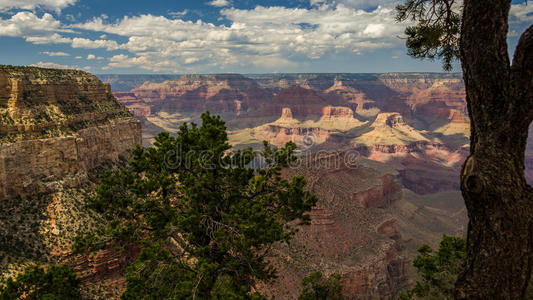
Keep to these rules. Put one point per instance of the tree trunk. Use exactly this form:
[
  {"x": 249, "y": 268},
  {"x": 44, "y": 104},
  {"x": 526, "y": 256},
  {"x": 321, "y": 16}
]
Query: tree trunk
[{"x": 497, "y": 196}]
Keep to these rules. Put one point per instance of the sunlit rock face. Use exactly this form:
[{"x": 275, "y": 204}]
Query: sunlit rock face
[{"x": 56, "y": 125}]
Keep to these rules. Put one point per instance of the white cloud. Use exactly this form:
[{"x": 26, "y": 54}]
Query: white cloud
[
  {"x": 55, "y": 53},
  {"x": 94, "y": 44},
  {"x": 219, "y": 3},
  {"x": 316, "y": 2},
  {"x": 56, "y": 5},
  {"x": 277, "y": 36},
  {"x": 79, "y": 57},
  {"x": 191, "y": 60},
  {"x": 522, "y": 12},
  {"x": 178, "y": 14},
  {"x": 25, "y": 24},
  {"x": 44, "y": 30},
  {"x": 513, "y": 33},
  {"x": 48, "y": 39},
  {"x": 52, "y": 65},
  {"x": 91, "y": 57},
  {"x": 37, "y": 30},
  {"x": 374, "y": 30}
]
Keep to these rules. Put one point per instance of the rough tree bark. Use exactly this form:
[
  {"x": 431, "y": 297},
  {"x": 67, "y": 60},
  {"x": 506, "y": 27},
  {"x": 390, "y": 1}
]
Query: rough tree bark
[{"x": 497, "y": 196}]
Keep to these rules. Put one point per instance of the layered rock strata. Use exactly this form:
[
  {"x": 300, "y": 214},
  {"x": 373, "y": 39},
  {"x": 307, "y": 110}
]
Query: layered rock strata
[{"x": 56, "y": 126}]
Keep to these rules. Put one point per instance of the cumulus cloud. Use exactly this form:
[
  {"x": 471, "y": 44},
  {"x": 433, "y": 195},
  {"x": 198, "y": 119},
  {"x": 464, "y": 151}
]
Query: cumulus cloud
[
  {"x": 522, "y": 12},
  {"x": 219, "y": 3},
  {"x": 143, "y": 62},
  {"x": 266, "y": 36},
  {"x": 55, "y": 53},
  {"x": 34, "y": 29},
  {"x": 91, "y": 56},
  {"x": 270, "y": 37},
  {"x": 24, "y": 24},
  {"x": 56, "y": 5}
]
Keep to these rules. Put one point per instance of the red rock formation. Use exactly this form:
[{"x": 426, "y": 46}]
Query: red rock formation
[
  {"x": 424, "y": 167},
  {"x": 333, "y": 112},
  {"x": 126, "y": 97},
  {"x": 382, "y": 195},
  {"x": 279, "y": 136},
  {"x": 302, "y": 102},
  {"x": 101, "y": 264},
  {"x": 388, "y": 228},
  {"x": 103, "y": 270},
  {"x": 217, "y": 93},
  {"x": 286, "y": 113},
  {"x": 140, "y": 110}
]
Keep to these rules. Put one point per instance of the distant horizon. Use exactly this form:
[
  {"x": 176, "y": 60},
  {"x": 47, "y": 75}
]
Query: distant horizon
[
  {"x": 236, "y": 73},
  {"x": 272, "y": 73}
]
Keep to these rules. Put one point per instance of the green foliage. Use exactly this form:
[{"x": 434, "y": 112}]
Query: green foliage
[
  {"x": 438, "y": 270},
  {"x": 437, "y": 29},
  {"x": 207, "y": 219},
  {"x": 318, "y": 288},
  {"x": 58, "y": 282}
]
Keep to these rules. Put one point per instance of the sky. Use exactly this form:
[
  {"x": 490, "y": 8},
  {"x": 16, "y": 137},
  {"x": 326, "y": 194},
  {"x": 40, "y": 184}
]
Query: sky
[{"x": 215, "y": 36}]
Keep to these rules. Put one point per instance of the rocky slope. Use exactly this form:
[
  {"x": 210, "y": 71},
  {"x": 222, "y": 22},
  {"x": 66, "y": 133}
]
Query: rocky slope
[
  {"x": 58, "y": 129},
  {"x": 365, "y": 228}
]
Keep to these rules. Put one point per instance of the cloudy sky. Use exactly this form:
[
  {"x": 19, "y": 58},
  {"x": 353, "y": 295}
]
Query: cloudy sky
[{"x": 213, "y": 36}]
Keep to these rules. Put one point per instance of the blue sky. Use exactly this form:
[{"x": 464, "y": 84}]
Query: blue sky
[{"x": 214, "y": 36}]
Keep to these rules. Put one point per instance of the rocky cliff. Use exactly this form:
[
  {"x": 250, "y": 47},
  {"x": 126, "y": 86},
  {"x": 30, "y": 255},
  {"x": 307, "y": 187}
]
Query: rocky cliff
[
  {"x": 34, "y": 166},
  {"x": 57, "y": 125}
]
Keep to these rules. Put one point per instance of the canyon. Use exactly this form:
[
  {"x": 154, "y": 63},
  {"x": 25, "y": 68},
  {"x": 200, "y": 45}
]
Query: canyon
[{"x": 382, "y": 151}]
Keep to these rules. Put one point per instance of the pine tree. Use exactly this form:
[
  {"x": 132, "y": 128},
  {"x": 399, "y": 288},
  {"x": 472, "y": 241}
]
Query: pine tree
[{"x": 205, "y": 216}]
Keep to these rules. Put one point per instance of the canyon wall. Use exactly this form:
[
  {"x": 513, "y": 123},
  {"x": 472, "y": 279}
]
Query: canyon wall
[
  {"x": 32, "y": 167},
  {"x": 56, "y": 125}
]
